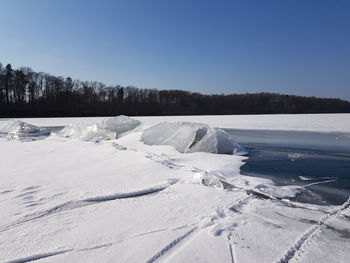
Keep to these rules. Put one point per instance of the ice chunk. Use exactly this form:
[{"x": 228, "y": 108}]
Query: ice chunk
[
  {"x": 270, "y": 189},
  {"x": 191, "y": 137},
  {"x": 90, "y": 132},
  {"x": 119, "y": 147},
  {"x": 120, "y": 124},
  {"x": 110, "y": 129},
  {"x": 207, "y": 179},
  {"x": 16, "y": 128}
]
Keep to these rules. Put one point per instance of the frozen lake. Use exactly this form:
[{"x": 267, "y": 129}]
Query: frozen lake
[{"x": 89, "y": 194}]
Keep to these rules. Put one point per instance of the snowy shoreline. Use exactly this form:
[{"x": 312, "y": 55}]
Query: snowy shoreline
[{"x": 73, "y": 200}]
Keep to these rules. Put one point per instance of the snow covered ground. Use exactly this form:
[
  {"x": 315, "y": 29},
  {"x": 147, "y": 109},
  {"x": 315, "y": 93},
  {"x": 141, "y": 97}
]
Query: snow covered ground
[{"x": 64, "y": 199}]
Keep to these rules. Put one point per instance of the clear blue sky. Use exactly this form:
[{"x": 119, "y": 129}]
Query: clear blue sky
[{"x": 288, "y": 46}]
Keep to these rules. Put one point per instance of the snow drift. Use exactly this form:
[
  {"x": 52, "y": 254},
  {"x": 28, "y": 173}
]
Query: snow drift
[
  {"x": 16, "y": 128},
  {"x": 109, "y": 129},
  {"x": 191, "y": 137}
]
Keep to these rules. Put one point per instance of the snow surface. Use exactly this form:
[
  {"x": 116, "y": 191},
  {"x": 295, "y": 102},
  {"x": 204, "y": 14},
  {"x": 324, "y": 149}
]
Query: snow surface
[{"x": 64, "y": 199}]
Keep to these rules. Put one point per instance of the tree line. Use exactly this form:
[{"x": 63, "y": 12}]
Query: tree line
[{"x": 26, "y": 93}]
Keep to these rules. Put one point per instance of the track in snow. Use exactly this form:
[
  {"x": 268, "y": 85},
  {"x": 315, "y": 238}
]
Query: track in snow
[
  {"x": 169, "y": 248},
  {"x": 181, "y": 241},
  {"x": 298, "y": 248},
  {"x": 232, "y": 254},
  {"x": 38, "y": 256}
]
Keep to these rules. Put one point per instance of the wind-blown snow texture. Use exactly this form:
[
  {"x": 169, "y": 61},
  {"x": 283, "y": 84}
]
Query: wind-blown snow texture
[{"x": 81, "y": 199}]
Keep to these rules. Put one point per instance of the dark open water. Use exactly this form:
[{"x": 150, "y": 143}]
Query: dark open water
[{"x": 301, "y": 158}]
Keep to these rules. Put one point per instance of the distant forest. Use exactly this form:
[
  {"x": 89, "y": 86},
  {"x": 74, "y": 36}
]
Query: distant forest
[{"x": 26, "y": 93}]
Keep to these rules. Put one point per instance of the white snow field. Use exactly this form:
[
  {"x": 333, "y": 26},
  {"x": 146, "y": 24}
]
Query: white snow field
[{"x": 95, "y": 192}]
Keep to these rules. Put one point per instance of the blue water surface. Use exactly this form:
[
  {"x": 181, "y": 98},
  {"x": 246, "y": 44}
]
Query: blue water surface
[{"x": 319, "y": 161}]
